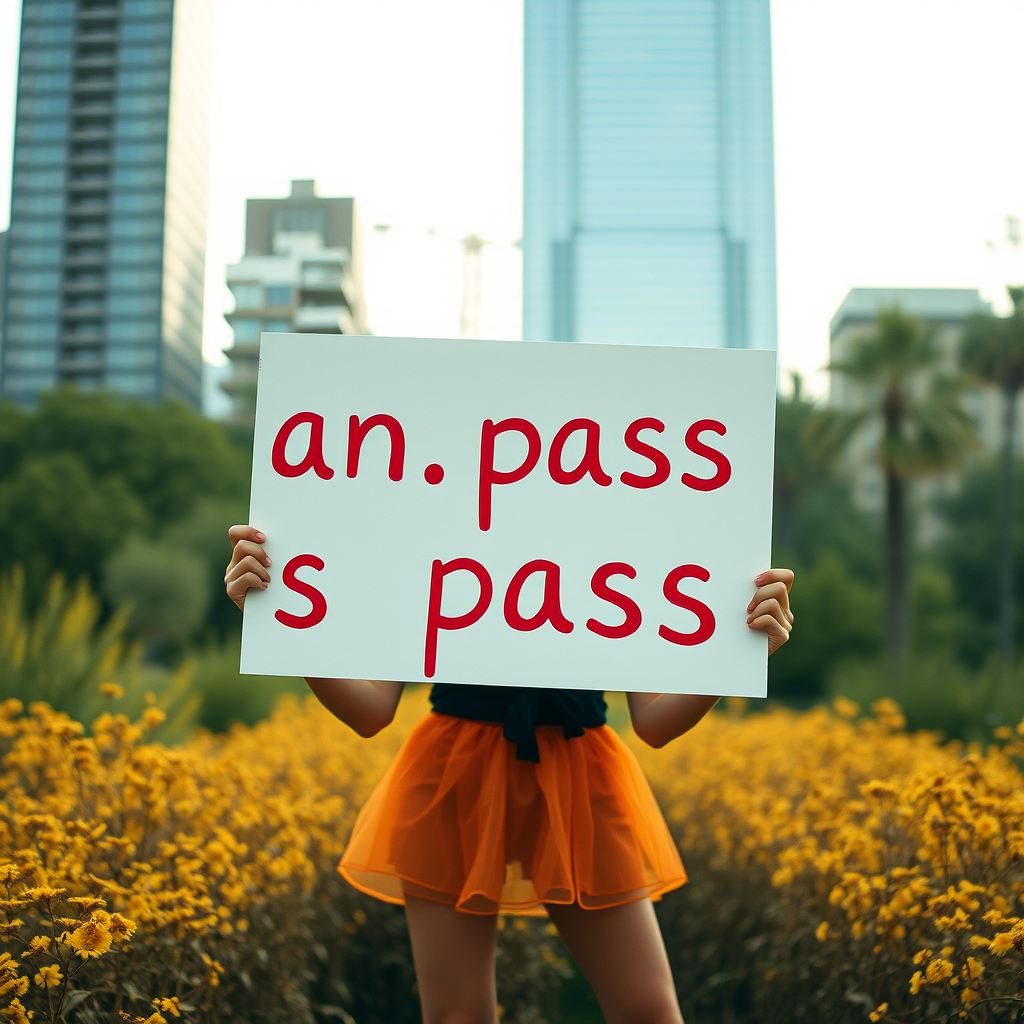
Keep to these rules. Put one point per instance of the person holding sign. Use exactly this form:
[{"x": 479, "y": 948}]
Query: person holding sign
[{"x": 519, "y": 800}]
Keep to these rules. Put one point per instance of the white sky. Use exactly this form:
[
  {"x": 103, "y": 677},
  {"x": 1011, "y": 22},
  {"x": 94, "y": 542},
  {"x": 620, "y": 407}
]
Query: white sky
[{"x": 897, "y": 131}]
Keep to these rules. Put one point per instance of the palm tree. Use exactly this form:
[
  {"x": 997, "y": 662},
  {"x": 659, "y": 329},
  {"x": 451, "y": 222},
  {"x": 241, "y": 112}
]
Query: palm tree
[
  {"x": 914, "y": 408},
  {"x": 993, "y": 349}
]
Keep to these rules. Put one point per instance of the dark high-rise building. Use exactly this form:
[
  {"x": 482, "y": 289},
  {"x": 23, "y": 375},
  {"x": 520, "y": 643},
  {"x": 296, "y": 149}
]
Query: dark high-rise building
[{"x": 106, "y": 248}]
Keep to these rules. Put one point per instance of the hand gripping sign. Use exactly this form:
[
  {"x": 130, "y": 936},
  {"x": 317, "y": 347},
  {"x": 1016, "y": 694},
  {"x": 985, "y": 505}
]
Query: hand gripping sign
[{"x": 514, "y": 513}]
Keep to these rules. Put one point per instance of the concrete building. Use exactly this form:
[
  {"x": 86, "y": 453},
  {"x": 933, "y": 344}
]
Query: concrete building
[
  {"x": 301, "y": 273},
  {"x": 649, "y": 197},
  {"x": 945, "y": 310},
  {"x": 106, "y": 254}
]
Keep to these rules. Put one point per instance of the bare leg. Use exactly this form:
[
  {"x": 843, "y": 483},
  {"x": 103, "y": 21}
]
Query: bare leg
[
  {"x": 454, "y": 957},
  {"x": 621, "y": 952}
]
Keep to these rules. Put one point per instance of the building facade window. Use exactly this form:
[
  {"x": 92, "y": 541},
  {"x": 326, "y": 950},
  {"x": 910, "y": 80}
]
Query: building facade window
[
  {"x": 247, "y": 296},
  {"x": 246, "y": 330},
  {"x": 279, "y": 295}
]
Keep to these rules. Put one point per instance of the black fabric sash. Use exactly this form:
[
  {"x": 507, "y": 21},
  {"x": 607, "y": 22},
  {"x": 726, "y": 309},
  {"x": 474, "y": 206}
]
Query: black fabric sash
[{"x": 520, "y": 709}]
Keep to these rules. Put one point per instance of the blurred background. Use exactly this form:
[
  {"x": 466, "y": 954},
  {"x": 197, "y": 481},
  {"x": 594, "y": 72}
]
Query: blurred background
[{"x": 841, "y": 181}]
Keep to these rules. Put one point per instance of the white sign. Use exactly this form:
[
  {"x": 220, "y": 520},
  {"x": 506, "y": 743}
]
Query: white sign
[{"x": 514, "y": 513}]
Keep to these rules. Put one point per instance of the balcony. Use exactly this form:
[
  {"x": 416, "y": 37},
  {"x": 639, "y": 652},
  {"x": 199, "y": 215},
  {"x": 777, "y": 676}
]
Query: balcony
[
  {"x": 85, "y": 256},
  {"x": 96, "y": 234},
  {"x": 97, "y": 12},
  {"x": 90, "y": 155},
  {"x": 91, "y": 82},
  {"x": 321, "y": 319},
  {"x": 91, "y": 362},
  {"x": 93, "y": 183},
  {"x": 92, "y": 284},
  {"x": 96, "y": 208},
  {"x": 95, "y": 59},
  {"x": 94, "y": 107},
  {"x": 73, "y": 338}
]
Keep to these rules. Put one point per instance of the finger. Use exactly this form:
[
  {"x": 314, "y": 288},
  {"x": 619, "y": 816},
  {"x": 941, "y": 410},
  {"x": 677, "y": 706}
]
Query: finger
[
  {"x": 247, "y": 565},
  {"x": 777, "y": 634},
  {"x": 237, "y": 533},
  {"x": 773, "y": 608},
  {"x": 776, "y": 590},
  {"x": 775, "y": 576},
  {"x": 237, "y": 589},
  {"x": 247, "y": 547}
]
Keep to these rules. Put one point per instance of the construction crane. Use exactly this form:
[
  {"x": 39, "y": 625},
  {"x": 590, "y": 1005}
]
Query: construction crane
[{"x": 472, "y": 273}]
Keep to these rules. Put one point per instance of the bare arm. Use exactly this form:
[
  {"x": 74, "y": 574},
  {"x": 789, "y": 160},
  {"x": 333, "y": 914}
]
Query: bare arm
[
  {"x": 661, "y": 717},
  {"x": 367, "y": 705}
]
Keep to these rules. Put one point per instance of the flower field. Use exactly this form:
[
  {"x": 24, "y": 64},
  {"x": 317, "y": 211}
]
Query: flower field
[
  {"x": 841, "y": 870},
  {"x": 149, "y": 883}
]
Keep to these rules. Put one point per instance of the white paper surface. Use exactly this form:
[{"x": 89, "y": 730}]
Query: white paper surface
[{"x": 379, "y": 538}]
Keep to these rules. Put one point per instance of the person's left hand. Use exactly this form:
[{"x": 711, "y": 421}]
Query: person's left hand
[{"x": 769, "y": 607}]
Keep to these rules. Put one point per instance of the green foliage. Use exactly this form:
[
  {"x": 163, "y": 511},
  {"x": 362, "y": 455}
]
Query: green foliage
[
  {"x": 165, "y": 589},
  {"x": 993, "y": 347},
  {"x": 970, "y": 554},
  {"x": 228, "y": 696},
  {"x": 836, "y": 616},
  {"x": 62, "y": 655},
  {"x": 80, "y": 472},
  {"x": 915, "y": 407},
  {"x": 56, "y": 514},
  {"x": 937, "y": 692}
]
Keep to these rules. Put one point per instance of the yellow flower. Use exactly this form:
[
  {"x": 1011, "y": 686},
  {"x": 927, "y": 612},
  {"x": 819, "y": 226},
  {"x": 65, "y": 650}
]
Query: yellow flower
[
  {"x": 975, "y": 968},
  {"x": 172, "y": 1005},
  {"x": 879, "y": 790},
  {"x": 121, "y": 929},
  {"x": 969, "y": 996},
  {"x": 49, "y": 976},
  {"x": 16, "y": 1013},
  {"x": 1002, "y": 943},
  {"x": 39, "y": 944},
  {"x": 916, "y": 983},
  {"x": 16, "y": 986},
  {"x": 939, "y": 970},
  {"x": 43, "y": 892},
  {"x": 845, "y": 708},
  {"x": 151, "y": 718},
  {"x": 155, "y": 1018},
  {"x": 878, "y": 1014},
  {"x": 821, "y": 932},
  {"x": 112, "y": 690},
  {"x": 87, "y": 903},
  {"x": 90, "y": 940}
]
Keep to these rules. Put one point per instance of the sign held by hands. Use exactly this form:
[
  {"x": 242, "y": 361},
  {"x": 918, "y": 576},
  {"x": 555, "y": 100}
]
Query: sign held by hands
[{"x": 513, "y": 513}]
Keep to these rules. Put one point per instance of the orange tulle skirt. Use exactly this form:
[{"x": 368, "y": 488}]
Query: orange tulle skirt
[{"x": 457, "y": 819}]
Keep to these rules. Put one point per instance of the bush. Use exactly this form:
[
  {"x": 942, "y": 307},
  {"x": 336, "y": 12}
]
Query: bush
[
  {"x": 164, "y": 588},
  {"x": 80, "y": 472},
  {"x": 227, "y": 696},
  {"x": 843, "y": 868},
  {"x": 837, "y": 616},
  {"x": 938, "y": 693},
  {"x": 64, "y": 656}
]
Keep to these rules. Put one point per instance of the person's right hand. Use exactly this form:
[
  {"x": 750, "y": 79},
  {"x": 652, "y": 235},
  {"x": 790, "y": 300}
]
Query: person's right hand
[{"x": 248, "y": 565}]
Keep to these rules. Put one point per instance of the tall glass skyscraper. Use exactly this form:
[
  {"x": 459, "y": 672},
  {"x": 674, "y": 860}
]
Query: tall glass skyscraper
[
  {"x": 649, "y": 209},
  {"x": 106, "y": 248}
]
